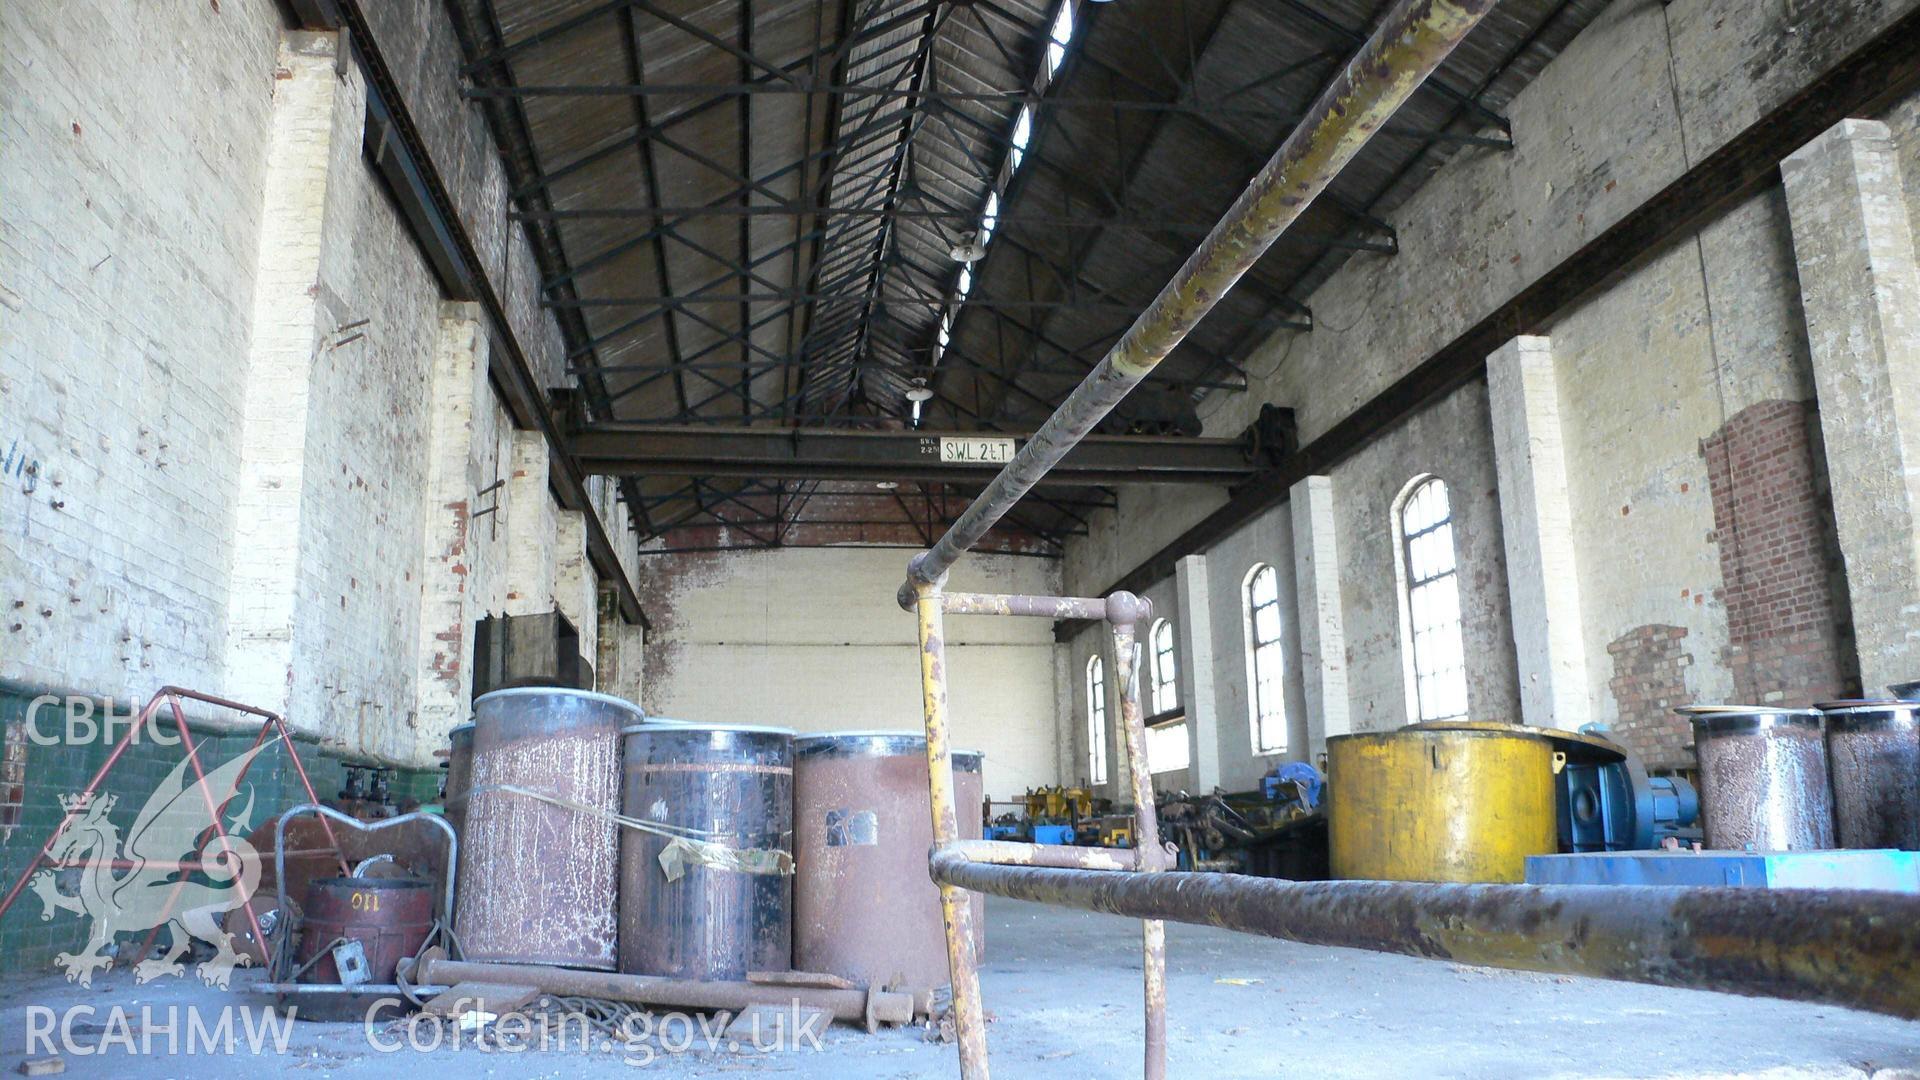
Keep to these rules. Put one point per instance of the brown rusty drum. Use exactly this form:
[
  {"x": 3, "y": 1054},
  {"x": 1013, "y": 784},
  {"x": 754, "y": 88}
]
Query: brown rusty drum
[
  {"x": 1873, "y": 749},
  {"x": 459, "y": 775},
  {"x": 389, "y": 917},
  {"x": 537, "y": 880},
  {"x": 1763, "y": 778},
  {"x": 864, "y": 906},
  {"x": 722, "y": 784}
]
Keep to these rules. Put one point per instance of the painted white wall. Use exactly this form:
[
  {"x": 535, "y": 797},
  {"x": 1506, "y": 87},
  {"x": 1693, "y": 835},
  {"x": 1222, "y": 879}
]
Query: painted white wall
[
  {"x": 812, "y": 639},
  {"x": 1649, "y": 366},
  {"x": 219, "y": 430}
]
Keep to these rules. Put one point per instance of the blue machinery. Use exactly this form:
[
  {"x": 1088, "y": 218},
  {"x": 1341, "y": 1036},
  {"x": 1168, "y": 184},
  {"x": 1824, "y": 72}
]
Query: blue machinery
[{"x": 1616, "y": 806}]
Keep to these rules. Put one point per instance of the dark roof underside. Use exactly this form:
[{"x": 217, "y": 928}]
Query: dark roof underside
[{"x": 747, "y": 211}]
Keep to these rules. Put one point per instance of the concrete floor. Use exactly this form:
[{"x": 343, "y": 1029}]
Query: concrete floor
[{"x": 1063, "y": 988}]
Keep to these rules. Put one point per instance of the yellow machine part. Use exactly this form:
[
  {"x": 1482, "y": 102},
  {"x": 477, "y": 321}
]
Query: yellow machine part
[
  {"x": 1443, "y": 804},
  {"x": 1058, "y": 803}
]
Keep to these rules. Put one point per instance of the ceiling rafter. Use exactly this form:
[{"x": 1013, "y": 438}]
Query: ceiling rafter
[{"x": 783, "y": 257}]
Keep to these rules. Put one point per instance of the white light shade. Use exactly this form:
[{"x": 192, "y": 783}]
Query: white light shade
[{"x": 919, "y": 392}]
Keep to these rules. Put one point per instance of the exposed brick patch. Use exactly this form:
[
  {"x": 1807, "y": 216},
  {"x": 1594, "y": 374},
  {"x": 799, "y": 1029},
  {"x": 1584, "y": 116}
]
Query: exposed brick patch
[
  {"x": 1649, "y": 681},
  {"x": 13, "y": 778},
  {"x": 1778, "y": 558}
]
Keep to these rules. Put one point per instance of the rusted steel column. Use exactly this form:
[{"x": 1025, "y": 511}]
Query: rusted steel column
[
  {"x": 956, "y": 910},
  {"x": 1855, "y": 949},
  {"x": 1043, "y": 607},
  {"x": 1412, "y": 40},
  {"x": 1125, "y": 612},
  {"x": 1059, "y": 856}
]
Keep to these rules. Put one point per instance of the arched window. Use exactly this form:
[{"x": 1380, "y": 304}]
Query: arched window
[
  {"x": 1265, "y": 665},
  {"x": 1096, "y": 721},
  {"x": 1433, "y": 602},
  {"x": 1166, "y": 675},
  {"x": 1167, "y": 749}
]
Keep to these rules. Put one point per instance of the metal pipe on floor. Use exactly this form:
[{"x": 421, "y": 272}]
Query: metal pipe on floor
[
  {"x": 1855, "y": 949},
  {"x": 853, "y": 1006},
  {"x": 956, "y": 908},
  {"x": 1410, "y": 42}
]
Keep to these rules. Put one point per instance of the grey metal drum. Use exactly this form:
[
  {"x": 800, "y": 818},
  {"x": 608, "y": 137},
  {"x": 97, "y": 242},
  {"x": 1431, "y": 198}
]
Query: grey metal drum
[
  {"x": 864, "y": 907},
  {"x": 1763, "y": 778},
  {"x": 459, "y": 776},
  {"x": 1873, "y": 749},
  {"x": 723, "y": 784},
  {"x": 538, "y": 880}
]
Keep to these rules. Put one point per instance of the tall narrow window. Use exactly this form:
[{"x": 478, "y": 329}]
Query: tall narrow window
[
  {"x": 1265, "y": 665},
  {"x": 1096, "y": 721},
  {"x": 1166, "y": 677},
  {"x": 1167, "y": 740},
  {"x": 1433, "y": 602}
]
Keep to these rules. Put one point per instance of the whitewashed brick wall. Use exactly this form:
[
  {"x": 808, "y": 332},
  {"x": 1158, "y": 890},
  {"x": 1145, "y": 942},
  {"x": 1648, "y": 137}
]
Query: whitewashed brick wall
[
  {"x": 219, "y": 463},
  {"x": 133, "y": 181}
]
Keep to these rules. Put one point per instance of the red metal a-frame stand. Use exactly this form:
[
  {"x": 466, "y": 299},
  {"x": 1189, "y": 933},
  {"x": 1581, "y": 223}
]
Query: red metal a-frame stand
[{"x": 171, "y": 697}]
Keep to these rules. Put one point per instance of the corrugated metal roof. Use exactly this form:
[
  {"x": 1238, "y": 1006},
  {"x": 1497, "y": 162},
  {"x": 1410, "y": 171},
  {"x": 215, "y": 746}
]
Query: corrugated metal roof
[{"x": 746, "y": 210}]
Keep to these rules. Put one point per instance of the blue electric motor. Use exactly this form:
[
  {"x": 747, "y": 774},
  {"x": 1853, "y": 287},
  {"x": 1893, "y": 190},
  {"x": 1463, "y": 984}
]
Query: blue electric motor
[{"x": 1618, "y": 807}]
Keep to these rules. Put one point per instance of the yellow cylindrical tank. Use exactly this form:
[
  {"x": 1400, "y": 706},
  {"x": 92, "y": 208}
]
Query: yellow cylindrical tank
[{"x": 1450, "y": 802}]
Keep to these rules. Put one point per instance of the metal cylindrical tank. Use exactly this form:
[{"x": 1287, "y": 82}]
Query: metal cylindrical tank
[
  {"x": 724, "y": 784},
  {"x": 459, "y": 775},
  {"x": 863, "y": 905},
  {"x": 538, "y": 880},
  {"x": 1763, "y": 778},
  {"x": 389, "y": 917},
  {"x": 1873, "y": 754},
  {"x": 1450, "y": 803}
]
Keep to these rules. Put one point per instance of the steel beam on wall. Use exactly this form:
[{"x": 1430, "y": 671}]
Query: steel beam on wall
[
  {"x": 1865, "y": 83},
  {"x": 631, "y": 449}
]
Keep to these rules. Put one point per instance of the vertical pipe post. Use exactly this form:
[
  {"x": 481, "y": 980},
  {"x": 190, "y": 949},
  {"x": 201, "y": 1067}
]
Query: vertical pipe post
[
  {"x": 1124, "y": 613},
  {"x": 956, "y": 907}
]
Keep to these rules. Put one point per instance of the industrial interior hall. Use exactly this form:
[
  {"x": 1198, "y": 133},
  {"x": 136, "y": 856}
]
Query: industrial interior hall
[{"x": 949, "y": 538}]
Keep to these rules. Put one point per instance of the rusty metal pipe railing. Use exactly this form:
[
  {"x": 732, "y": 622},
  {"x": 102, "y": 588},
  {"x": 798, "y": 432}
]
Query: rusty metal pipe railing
[
  {"x": 1041, "y": 607},
  {"x": 956, "y": 909},
  {"x": 1855, "y": 949},
  {"x": 1124, "y": 611},
  {"x": 1058, "y": 856},
  {"x": 1411, "y": 41}
]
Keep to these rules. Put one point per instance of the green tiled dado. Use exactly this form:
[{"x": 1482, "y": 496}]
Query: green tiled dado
[{"x": 30, "y": 942}]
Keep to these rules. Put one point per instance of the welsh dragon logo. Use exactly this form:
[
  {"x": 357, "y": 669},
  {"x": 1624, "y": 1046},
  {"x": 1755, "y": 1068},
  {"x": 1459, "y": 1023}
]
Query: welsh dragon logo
[{"x": 149, "y": 888}]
